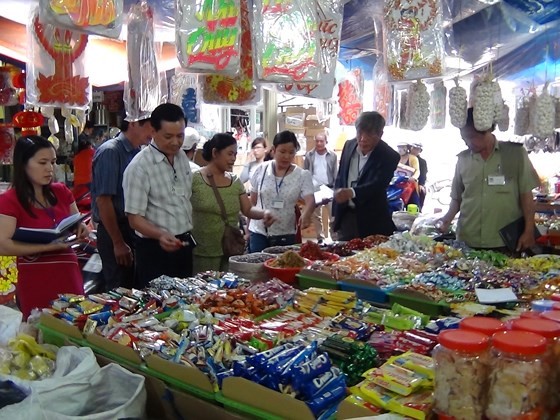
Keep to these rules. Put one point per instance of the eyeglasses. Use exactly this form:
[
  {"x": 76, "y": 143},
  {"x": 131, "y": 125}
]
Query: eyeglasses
[{"x": 258, "y": 146}]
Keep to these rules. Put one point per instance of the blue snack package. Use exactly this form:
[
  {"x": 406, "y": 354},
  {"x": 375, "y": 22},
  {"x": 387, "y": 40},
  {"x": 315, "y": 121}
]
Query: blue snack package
[
  {"x": 280, "y": 358},
  {"x": 318, "y": 385},
  {"x": 102, "y": 318},
  {"x": 222, "y": 375},
  {"x": 285, "y": 370},
  {"x": 323, "y": 401},
  {"x": 307, "y": 371},
  {"x": 261, "y": 358}
]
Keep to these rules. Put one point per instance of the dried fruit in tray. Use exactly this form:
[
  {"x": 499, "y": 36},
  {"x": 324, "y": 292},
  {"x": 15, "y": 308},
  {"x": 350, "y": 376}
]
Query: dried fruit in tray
[
  {"x": 236, "y": 303},
  {"x": 312, "y": 251},
  {"x": 289, "y": 259}
]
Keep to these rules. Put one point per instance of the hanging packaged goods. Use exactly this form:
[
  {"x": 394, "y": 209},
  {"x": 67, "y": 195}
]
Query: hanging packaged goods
[
  {"x": 438, "y": 105},
  {"x": 286, "y": 41},
  {"x": 92, "y": 16},
  {"x": 418, "y": 106},
  {"x": 486, "y": 99},
  {"x": 350, "y": 97},
  {"x": 329, "y": 15},
  {"x": 415, "y": 47},
  {"x": 144, "y": 89},
  {"x": 208, "y": 36},
  {"x": 55, "y": 72},
  {"x": 544, "y": 113},
  {"x": 240, "y": 89},
  {"x": 458, "y": 105}
]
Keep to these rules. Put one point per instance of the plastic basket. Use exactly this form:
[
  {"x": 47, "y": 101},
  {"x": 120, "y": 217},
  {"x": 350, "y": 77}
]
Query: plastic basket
[
  {"x": 365, "y": 291},
  {"x": 305, "y": 282}
]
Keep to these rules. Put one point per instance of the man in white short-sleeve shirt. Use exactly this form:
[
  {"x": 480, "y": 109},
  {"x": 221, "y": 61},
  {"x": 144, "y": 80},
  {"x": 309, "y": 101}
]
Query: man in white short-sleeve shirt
[
  {"x": 322, "y": 163},
  {"x": 157, "y": 190}
]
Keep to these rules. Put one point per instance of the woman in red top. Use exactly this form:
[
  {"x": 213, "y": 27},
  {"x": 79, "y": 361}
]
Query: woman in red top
[{"x": 33, "y": 201}]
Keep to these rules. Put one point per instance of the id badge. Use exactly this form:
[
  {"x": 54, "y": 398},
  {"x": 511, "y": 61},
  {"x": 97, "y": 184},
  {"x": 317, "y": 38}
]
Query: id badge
[
  {"x": 278, "y": 204},
  {"x": 495, "y": 180}
]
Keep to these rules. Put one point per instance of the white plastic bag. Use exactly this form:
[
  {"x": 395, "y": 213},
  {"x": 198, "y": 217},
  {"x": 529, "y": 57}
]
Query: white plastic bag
[{"x": 10, "y": 321}]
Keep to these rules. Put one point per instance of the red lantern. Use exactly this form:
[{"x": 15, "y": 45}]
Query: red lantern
[
  {"x": 18, "y": 81},
  {"x": 30, "y": 122}
]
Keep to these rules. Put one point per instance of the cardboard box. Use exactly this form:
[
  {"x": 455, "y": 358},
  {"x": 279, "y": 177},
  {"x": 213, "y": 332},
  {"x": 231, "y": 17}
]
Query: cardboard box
[
  {"x": 267, "y": 400},
  {"x": 313, "y": 122},
  {"x": 310, "y": 133},
  {"x": 119, "y": 353},
  {"x": 185, "y": 374},
  {"x": 61, "y": 326},
  {"x": 348, "y": 410}
]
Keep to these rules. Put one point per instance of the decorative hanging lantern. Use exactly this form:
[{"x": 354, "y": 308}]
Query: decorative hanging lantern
[{"x": 30, "y": 122}]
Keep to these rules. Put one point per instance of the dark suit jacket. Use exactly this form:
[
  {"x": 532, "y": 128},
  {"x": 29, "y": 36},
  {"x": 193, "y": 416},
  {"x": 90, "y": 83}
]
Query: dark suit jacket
[{"x": 372, "y": 210}]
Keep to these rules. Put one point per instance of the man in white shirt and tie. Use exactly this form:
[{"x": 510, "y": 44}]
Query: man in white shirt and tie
[{"x": 322, "y": 163}]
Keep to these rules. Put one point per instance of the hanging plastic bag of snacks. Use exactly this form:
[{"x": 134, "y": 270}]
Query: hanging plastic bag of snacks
[
  {"x": 438, "y": 106},
  {"x": 418, "y": 106},
  {"x": 55, "y": 72},
  {"x": 458, "y": 105},
  {"x": 240, "y": 89},
  {"x": 382, "y": 90},
  {"x": 208, "y": 36},
  {"x": 329, "y": 15},
  {"x": 543, "y": 114},
  {"x": 145, "y": 88},
  {"x": 415, "y": 47},
  {"x": 286, "y": 41},
  {"x": 92, "y": 16},
  {"x": 350, "y": 97},
  {"x": 521, "y": 123},
  {"x": 184, "y": 92}
]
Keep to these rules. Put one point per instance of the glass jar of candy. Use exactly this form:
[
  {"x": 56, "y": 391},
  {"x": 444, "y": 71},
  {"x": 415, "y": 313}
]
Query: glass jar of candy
[
  {"x": 461, "y": 374},
  {"x": 517, "y": 381}
]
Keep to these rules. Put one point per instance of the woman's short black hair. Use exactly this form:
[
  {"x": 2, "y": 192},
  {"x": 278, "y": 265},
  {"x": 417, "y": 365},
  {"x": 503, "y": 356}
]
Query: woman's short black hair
[
  {"x": 285, "y": 137},
  {"x": 166, "y": 112},
  {"x": 219, "y": 142},
  {"x": 25, "y": 149},
  {"x": 257, "y": 141}
]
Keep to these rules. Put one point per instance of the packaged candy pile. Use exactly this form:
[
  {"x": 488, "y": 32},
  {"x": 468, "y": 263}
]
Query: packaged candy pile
[{"x": 386, "y": 343}]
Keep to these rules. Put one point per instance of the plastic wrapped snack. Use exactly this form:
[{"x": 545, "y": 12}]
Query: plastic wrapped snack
[
  {"x": 521, "y": 125},
  {"x": 418, "y": 107},
  {"x": 438, "y": 105},
  {"x": 461, "y": 374},
  {"x": 329, "y": 15},
  {"x": 55, "y": 73},
  {"x": 208, "y": 36},
  {"x": 415, "y": 47},
  {"x": 144, "y": 89},
  {"x": 544, "y": 114},
  {"x": 517, "y": 376},
  {"x": 458, "y": 105},
  {"x": 241, "y": 89},
  {"x": 92, "y": 16},
  {"x": 350, "y": 91},
  {"x": 286, "y": 41}
]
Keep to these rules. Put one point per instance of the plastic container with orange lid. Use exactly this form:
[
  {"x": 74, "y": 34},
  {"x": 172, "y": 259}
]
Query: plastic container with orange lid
[
  {"x": 556, "y": 306},
  {"x": 555, "y": 296},
  {"x": 550, "y": 330},
  {"x": 482, "y": 324},
  {"x": 517, "y": 386},
  {"x": 461, "y": 374}
]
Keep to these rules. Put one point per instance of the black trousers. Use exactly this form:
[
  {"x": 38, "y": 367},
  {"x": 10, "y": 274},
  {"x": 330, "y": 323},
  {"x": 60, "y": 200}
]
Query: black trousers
[
  {"x": 115, "y": 275},
  {"x": 348, "y": 226},
  {"x": 152, "y": 261}
]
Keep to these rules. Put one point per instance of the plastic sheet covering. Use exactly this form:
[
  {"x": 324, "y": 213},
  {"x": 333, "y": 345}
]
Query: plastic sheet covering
[
  {"x": 286, "y": 41},
  {"x": 208, "y": 35},
  {"x": 145, "y": 88},
  {"x": 241, "y": 89},
  {"x": 92, "y": 16},
  {"x": 55, "y": 72}
]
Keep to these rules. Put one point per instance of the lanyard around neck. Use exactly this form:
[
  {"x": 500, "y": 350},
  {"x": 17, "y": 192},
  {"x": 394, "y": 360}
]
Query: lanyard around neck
[{"x": 279, "y": 185}]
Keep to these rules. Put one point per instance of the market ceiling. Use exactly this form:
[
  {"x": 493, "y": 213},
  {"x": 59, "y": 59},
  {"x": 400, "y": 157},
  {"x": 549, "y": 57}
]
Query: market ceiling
[{"x": 520, "y": 37}]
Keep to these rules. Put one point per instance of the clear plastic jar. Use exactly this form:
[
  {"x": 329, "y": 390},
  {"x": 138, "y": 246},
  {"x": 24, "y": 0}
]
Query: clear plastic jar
[
  {"x": 551, "y": 331},
  {"x": 461, "y": 374},
  {"x": 482, "y": 324},
  {"x": 517, "y": 376}
]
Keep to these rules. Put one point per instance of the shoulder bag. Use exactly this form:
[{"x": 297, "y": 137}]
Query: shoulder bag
[{"x": 233, "y": 241}]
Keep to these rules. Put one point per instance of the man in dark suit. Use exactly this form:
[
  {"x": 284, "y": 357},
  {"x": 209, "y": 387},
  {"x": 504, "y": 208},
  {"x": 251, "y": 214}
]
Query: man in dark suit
[{"x": 366, "y": 168}]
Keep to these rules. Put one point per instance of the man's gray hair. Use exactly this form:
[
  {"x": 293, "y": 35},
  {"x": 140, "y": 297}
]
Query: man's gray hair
[{"x": 370, "y": 122}]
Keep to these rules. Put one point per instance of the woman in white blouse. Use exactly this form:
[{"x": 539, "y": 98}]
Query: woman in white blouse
[
  {"x": 277, "y": 186},
  {"x": 258, "y": 152}
]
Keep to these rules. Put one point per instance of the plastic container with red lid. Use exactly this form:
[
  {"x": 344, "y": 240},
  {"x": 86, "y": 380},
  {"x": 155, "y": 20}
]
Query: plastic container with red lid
[
  {"x": 556, "y": 306},
  {"x": 482, "y": 324},
  {"x": 555, "y": 296},
  {"x": 551, "y": 316},
  {"x": 544, "y": 327},
  {"x": 531, "y": 314},
  {"x": 461, "y": 373},
  {"x": 518, "y": 371}
]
